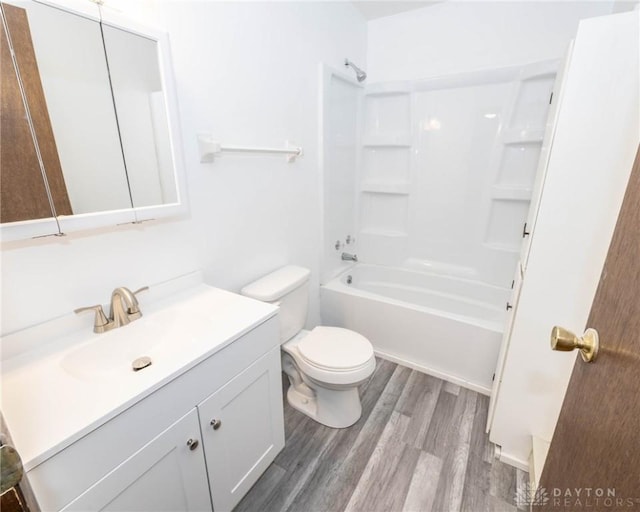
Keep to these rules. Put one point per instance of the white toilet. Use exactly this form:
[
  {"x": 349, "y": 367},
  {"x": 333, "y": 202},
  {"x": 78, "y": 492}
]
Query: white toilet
[{"x": 325, "y": 365}]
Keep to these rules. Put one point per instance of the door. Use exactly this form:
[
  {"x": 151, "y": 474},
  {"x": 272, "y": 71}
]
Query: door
[
  {"x": 511, "y": 307},
  {"x": 243, "y": 430},
  {"x": 168, "y": 474},
  {"x": 545, "y": 155},
  {"x": 594, "y": 458}
]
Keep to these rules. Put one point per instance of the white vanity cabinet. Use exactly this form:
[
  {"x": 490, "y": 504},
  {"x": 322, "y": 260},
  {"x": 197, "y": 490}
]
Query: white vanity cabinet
[
  {"x": 242, "y": 430},
  {"x": 168, "y": 473},
  {"x": 161, "y": 452}
]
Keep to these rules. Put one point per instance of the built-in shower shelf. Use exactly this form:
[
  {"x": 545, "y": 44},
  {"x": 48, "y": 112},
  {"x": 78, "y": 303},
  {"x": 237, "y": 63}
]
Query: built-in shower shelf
[
  {"x": 383, "y": 232},
  {"x": 390, "y": 141},
  {"x": 510, "y": 193},
  {"x": 385, "y": 188},
  {"x": 517, "y": 136}
]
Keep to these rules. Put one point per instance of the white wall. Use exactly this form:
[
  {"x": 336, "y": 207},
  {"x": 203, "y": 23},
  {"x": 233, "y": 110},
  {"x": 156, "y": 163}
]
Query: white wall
[
  {"x": 248, "y": 73},
  {"x": 453, "y": 37}
]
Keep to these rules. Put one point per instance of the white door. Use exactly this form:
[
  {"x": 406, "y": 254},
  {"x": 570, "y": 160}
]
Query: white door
[
  {"x": 512, "y": 307},
  {"x": 167, "y": 474},
  {"x": 545, "y": 155},
  {"x": 594, "y": 145},
  {"x": 243, "y": 430}
]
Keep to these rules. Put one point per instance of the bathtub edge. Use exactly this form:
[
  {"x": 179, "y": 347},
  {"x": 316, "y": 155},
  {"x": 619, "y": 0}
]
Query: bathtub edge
[{"x": 434, "y": 373}]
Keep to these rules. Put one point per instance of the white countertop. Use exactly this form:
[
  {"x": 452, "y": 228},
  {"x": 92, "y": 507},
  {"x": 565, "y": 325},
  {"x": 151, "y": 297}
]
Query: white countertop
[{"x": 49, "y": 400}]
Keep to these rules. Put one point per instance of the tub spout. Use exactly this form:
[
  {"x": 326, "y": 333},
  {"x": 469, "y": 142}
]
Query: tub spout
[{"x": 349, "y": 257}]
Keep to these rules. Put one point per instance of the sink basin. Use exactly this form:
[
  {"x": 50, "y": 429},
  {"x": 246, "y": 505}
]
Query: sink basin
[
  {"x": 62, "y": 375},
  {"x": 111, "y": 354}
]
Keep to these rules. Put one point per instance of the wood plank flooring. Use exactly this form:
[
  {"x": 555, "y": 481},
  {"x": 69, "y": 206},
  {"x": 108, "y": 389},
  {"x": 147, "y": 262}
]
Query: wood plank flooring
[{"x": 419, "y": 446}]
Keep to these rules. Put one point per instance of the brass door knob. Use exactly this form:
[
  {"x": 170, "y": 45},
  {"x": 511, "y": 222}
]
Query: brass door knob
[{"x": 565, "y": 341}]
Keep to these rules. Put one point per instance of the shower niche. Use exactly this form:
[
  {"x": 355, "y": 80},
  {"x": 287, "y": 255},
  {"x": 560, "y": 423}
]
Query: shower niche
[{"x": 385, "y": 175}]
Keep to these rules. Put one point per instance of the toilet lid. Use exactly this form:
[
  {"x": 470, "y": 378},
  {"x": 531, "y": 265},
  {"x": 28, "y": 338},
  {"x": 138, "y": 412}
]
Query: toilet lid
[{"x": 334, "y": 348}]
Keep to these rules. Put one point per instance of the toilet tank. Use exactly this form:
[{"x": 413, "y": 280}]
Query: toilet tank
[{"x": 288, "y": 288}]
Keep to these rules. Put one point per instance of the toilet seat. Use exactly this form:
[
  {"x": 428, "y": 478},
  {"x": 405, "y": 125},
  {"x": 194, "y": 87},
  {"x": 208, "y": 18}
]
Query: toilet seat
[
  {"x": 333, "y": 356},
  {"x": 335, "y": 349}
]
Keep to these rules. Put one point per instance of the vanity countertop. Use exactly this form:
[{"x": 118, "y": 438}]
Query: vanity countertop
[{"x": 70, "y": 383}]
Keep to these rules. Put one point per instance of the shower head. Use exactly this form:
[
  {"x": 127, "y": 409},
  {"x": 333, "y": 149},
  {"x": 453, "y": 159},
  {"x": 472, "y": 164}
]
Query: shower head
[{"x": 360, "y": 75}]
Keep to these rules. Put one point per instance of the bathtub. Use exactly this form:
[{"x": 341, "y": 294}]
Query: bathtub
[{"x": 444, "y": 326}]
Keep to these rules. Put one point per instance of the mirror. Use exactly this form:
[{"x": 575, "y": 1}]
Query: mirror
[
  {"x": 24, "y": 190},
  {"x": 73, "y": 71},
  {"x": 142, "y": 116},
  {"x": 97, "y": 96}
]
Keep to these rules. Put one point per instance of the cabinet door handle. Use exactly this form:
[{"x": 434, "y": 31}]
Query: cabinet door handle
[
  {"x": 216, "y": 424},
  {"x": 509, "y": 306},
  {"x": 193, "y": 444}
]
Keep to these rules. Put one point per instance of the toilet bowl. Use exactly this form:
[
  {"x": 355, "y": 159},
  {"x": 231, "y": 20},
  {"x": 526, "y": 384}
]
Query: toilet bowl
[{"x": 326, "y": 365}]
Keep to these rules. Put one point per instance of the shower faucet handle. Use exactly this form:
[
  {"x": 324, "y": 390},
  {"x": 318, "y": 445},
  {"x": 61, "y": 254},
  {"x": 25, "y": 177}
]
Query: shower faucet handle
[{"x": 349, "y": 257}]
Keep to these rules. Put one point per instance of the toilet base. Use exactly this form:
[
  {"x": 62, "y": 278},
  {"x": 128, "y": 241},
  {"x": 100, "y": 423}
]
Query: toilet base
[{"x": 331, "y": 407}]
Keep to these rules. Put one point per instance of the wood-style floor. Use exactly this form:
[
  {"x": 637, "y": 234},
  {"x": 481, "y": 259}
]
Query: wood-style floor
[{"x": 419, "y": 446}]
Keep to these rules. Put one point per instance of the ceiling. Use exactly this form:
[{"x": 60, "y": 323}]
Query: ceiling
[{"x": 373, "y": 9}]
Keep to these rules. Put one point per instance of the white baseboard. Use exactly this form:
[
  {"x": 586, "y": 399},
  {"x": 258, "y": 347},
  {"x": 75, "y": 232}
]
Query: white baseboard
[{"x": 512, "y": 461}]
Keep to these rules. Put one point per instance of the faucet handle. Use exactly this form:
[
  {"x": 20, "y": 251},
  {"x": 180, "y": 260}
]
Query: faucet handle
[
  {"x": 143, "y": 289},
  {"x": 134, "y": 309},
  {"x": 100, "y": 321}
]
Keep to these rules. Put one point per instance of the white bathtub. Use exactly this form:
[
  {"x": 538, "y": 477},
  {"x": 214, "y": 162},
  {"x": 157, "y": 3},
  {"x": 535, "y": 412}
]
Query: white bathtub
[{"x": 445, "y": 326}]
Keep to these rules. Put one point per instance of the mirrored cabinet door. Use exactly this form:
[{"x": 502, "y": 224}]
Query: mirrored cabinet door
[
  {"x": 139, "y": 98},
  {"x": 100, "y": 117},
  {"x": 72, "y": 68},
  {"x": 24, "y": 194}
]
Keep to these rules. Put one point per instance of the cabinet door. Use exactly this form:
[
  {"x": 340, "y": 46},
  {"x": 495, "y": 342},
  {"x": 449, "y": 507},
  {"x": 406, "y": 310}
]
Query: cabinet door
[
  {"x": 243, "y": 430},
  {"x": 512, "y": 308},
  {"x": 545, "y": 156},
  {"x": 168, "y": 474}
]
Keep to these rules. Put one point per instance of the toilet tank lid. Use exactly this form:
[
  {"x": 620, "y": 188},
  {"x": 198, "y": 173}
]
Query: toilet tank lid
[{"x": 277, "y": 284}]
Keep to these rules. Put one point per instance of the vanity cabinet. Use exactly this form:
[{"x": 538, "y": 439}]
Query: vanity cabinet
[
  {"x": 168, "y": 473},
  {"x": 163, "y": 452},
  {"x": 242, "y": 430}
]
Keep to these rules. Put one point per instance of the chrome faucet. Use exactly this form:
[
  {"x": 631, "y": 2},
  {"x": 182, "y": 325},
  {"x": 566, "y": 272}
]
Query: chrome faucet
[
  {"x": 349, "y": 257},
  {"x": 124, "y": 310}
]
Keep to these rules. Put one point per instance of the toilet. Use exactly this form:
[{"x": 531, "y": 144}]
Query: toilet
[{"x": 326, "y": 365}]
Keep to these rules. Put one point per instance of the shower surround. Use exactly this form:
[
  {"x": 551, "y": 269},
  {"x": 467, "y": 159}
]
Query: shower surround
[{"x": 433, "y": 179}]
